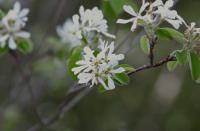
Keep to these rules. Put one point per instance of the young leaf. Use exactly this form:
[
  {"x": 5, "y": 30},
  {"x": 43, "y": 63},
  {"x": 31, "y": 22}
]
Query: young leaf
[
  {"x": 121, "y": 78},
  {"x": 117, "y": 6},
  {"x": 144, "y": 45},
  {"x": 126, "y": 67},
  {"x": 71, "y": 63},
  {"x": 2, "y": 14},
  {"x": 181, "y": 57},
  {"x": 101, "y": 89},
  {"x": 25, "y": 46},
  {"x": 3, "y": 51},
  {"x": 171, "y": 66},
  {"x": 194, "y": 63},
  {"x": 169, "y": 33},
  {"x": 108, "y": 11}
]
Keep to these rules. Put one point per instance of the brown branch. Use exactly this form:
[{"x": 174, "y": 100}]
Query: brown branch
[
  {"x": 160, "y": 63},
  {"x": 64, "y": 107},
  {"x": 151, "y": 55},
  {"x": 27, "y": 80},
  {"x": 60, "y": 7}
]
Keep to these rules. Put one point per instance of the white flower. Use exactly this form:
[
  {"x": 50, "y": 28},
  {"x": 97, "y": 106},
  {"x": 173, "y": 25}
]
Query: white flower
[
  {"x": 136, "y": 16},
  {"x": 70, "y": 31},
  {"x": 93, "y": 20},
  {"x": 171, "y": 16},
  {"x": 96, "y": 69},
  {"x": 11, "y": 38},
  {"x": 193, "y": 29},
  {"x": 16, "y": 16},
  {"x": 87, "y": 23},
  {"x": 156, "y": 3},
  {"x": 11, "y": 27}
]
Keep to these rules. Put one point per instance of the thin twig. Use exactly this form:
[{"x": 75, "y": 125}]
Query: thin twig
[
  {"x": 27, "y": 79},
  {"x": 123, "y": 41},
  {"x": 160, "y": 63},
  {"x": 63, "y": 108},
  {"x": 55, "y": 20}
]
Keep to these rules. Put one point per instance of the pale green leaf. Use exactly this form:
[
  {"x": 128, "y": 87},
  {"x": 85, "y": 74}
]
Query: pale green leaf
[
  {"x": 194, "y": 63},
  {"x": 171, "y": 65},
  {"x": 71, "y": 63},
  {"x": 144, "y": 45},
  {"x": 121, "y": 78},
  {"x": 126, "y": 67},
  {"x": 169, "y": 33},
  {"x": 181, "y": 57},
  {"x": 25, "y": 46},
  {"x": 3, "y": 51}
]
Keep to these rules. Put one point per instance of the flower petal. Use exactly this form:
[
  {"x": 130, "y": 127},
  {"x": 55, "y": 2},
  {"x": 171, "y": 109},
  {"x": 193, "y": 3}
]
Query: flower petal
[
  {"x": 123, "y": 21},
  {"x": 23, "y": 34},
  {"x": 111, "y": 84},
  {"x": 169, "y": 4},
  {"x": 129, "y": 10},
  {"x": 134, "y": 25},
  {"x": 144, "y": 6},
  {"x": 175, "y": 23},
  {"x": 12, "y": 44},
  {"x": 119, "y": 70}
]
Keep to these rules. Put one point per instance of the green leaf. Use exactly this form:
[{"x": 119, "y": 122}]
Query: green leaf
[
  {"x": 71, "y": 63},
  {"x": 117, "y": 6},
  {"x": 126, "y": 67},
  {"x": 25, "y": 46},
  {"x": 113, "y": 8},
  {"x": 2, "y": 14},
  {"x": 194, "y": 63},
  {"x": 11, "y": 118},
  {"x": 108, "y": 11},
  {"x": 3, "y": 51},
  {"x": 169, "y": 33},
  {"x": 101, "y": 89},
  {"x": 181, "y": 57},
  {"x": 171, "y": 66},
  {"x": 121, "y": 78},
  {"x": 144, "y": 45}
]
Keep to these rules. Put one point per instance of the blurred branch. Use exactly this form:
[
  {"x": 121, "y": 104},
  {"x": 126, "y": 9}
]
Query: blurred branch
[
  {"x": 56, "y": 18},
  {"x": 64, "y": 107},
  {"x": 123, "y": 41},
  {"x": 27, "y": 79}
]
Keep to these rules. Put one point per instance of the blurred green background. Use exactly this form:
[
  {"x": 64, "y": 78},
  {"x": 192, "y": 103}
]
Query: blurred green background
[{"x": 155, "y": 100}]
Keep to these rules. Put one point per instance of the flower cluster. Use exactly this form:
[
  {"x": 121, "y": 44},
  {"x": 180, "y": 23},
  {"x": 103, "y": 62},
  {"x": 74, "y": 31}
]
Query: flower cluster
[
  {"x": 87, "y": 24},
  {"x": 192, "y": 31},
  {"x": 153, "y": 13},
  {"x": 192, "y": 37},
  {"x": 11, "y": 26},
  {"x": 100, "y": 67}
]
